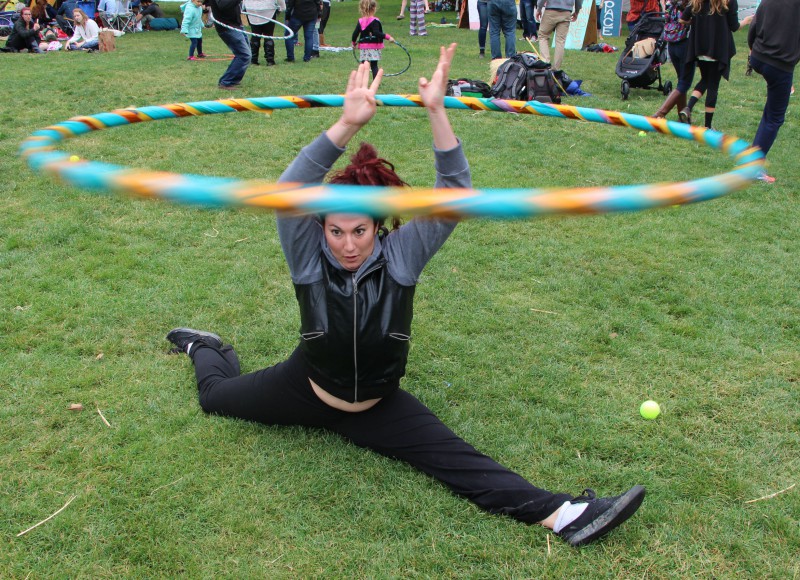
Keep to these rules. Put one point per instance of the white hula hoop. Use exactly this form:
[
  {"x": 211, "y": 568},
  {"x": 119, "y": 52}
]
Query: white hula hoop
[{"x": 247, "y": 32}]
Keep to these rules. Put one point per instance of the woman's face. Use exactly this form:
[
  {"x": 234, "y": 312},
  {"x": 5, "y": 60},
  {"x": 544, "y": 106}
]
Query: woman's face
[
  {"x": 26, "y": 15},
  {"x": 77, "y": 17},
  {"x": 351, "y": 238}
]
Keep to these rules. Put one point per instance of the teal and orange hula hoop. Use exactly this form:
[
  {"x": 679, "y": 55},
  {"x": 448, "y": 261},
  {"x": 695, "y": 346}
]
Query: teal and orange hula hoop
[{"x": 40, "y": 151}]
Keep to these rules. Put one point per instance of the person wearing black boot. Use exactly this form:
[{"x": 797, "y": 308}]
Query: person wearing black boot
[
  {"x": 711, "y": 47},
  {"x": 676, "y": 34},
  {"x": 261, "y": 15}
]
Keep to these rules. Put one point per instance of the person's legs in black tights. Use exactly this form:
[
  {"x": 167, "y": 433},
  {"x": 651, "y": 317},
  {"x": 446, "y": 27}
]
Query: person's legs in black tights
[
  {"x": 403, "y": 428},
  {"x": 399, "y": 426}
]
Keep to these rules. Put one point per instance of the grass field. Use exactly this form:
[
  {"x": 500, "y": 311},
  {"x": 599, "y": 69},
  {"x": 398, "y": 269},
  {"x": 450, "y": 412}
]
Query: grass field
[{"x": 536, "y": 340}]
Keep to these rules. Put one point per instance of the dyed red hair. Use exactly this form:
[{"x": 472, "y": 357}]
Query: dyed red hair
[{"x": 366, "y": 168}]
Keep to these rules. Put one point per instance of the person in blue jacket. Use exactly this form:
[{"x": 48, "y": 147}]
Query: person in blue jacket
[{"x": 192, "y": 27}]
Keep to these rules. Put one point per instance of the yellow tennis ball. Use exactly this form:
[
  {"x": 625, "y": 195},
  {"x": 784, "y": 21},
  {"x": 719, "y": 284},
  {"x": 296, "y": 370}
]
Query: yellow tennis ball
[
  {"x": 642, "y": 133},
  {"x": 74, "y": 158},
  {"x": 650, "y": 410}
]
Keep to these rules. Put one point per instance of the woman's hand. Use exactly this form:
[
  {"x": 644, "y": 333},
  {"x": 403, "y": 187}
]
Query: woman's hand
[
  {"x": 432, "y": 94},
  {"x": 432, "y": 91},
  {"x": 359, "y": 105},
  {"x": 359, "y": 98}
]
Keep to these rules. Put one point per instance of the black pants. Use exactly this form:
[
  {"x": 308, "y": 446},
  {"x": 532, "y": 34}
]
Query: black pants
[
  {"x": 326, "y": 14},
  {"x": 399, "y": 426},
  {"x": 710, "y": 77},
  {"x": 267, "y": 29}
]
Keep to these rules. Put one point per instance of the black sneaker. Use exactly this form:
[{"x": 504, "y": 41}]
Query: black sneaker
[
  {"x": 182, "y": 337},
  {"x": 601, "y": 515}
]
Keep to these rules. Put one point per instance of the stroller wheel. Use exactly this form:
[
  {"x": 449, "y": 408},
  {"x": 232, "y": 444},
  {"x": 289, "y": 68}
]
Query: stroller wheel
[
  {"x": 626, "y": 90},
  {"x": 667, "y": 87}
]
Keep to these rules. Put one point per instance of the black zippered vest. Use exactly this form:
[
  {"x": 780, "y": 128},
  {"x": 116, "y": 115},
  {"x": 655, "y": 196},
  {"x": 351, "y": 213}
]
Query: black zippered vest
[{"x": 355, "y": 332}]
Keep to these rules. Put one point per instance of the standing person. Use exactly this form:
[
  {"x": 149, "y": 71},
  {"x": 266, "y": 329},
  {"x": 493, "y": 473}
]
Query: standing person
[
  {"x": 369, "y": 35},
  {"x": 676, "y": 33},
  {"x": 355, "y": 281},
  {"x": 304, "y": 14},
  {"x": 25, "y": 34},
  {"x": 323, "y": 22},
  {"x": 260, "y": 15},
  {"x": 774, "y": 40},
  {"x": 416, "y": 21},
  {"x": 712, "y": 47},
  {"x": 502, "y": 18},
  {"x": 227, "y": 16},
  {"x": 86, "y": 35},
  {"x": 483, "y": 25},
  {"x": 403, "y": 8},
  {"x": 556, "y": 17},
  {"x": 192, "y": 27},
  {"x": 639, "y": 7},
  {"x": 527, "y": 14}
]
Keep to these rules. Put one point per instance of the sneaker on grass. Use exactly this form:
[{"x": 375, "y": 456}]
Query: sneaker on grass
[
  {"x": 601, "y": 515},
  {"x": 185, "y": 338}
]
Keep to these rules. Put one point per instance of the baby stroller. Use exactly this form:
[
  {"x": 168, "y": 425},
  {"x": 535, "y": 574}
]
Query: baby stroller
[{"x": 639, "y": 65}]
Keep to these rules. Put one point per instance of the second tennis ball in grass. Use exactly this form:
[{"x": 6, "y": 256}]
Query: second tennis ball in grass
[
  {"x": 650, "y": 410},
  {"x": 642, "y": 134},
  {"x": 74, "y": 158}
]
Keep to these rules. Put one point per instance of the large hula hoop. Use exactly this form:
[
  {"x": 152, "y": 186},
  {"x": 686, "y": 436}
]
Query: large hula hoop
[
  {"x": 40, "y": 151},
  {"x": 248, "y": 33},
  {"x": 385, "y": 74}
]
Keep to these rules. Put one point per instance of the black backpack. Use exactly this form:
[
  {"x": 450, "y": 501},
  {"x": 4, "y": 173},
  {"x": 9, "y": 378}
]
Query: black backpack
[
  {"x": 542, "y": 86},
  {"x": 524, "y": 77}
]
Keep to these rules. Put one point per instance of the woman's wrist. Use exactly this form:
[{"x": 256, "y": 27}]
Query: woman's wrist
[{"x": 342, "y": 131}]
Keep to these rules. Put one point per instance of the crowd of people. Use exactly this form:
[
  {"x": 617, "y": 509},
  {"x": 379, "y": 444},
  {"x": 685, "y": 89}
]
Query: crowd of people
[
  {"x": 41, "y": 27},
  {"x": 699, "y": 35}
]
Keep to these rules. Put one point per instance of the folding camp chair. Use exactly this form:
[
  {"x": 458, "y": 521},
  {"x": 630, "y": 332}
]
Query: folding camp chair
[
  {"x": 117, "y": 14},
  {"x": 7, "y": 18}
]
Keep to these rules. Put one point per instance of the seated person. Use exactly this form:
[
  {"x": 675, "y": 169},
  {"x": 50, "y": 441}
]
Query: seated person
[
  {"x": 42, "y": 13},
  {"x": 45, "y": 16},
  {"x": 149, "y": 10},
  {"x": 87, "y": 33},
  {"x": 25, "y": 35},
  {"x": 64, "y": 16}
]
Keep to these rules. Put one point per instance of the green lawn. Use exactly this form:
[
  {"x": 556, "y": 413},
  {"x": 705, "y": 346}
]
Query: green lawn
[{"x": 536, "y": 340}]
